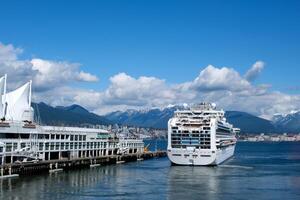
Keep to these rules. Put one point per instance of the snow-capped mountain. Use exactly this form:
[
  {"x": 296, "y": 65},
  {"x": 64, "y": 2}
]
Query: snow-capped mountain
[
  {"x": 287, "y": 122},
  {"x": 158, "y": 118}
]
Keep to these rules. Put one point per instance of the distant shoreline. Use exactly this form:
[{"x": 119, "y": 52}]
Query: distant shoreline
[
  {"x": 268, "y": 141},
  {"x": 270, "y": 137}
]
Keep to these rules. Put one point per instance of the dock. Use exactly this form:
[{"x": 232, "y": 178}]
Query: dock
[{"x": 53, "y": 166}]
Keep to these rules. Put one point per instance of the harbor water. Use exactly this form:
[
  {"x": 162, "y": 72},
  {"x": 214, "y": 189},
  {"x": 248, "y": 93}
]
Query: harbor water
[{"x": 257, "y": 171}]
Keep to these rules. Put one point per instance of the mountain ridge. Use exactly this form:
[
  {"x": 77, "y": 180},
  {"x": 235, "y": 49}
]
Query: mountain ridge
[
  {"x": 289, "y": 122},
  {"x": 73, "y": 115},
  {"x": 76, "y": 115},
  {"x": 247, "y": 122}
]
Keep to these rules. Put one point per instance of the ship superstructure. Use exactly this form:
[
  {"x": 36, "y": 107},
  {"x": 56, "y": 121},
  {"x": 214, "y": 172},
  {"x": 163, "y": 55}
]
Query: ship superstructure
[
  {"x": 21, "y": 140},
  {"x": 200, "y": 135}
]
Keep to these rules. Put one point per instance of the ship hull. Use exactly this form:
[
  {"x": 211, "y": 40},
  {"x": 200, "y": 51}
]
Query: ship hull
[{"x": 200, "y": 158}]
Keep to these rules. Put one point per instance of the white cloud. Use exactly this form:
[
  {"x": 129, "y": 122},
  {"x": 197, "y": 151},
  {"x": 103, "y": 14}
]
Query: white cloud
[
  {"x": 46, "y": 74},
  {"x": 146, "y": 91},
  {"x": 9, "y": 53},
  {"x": 53, "y": 83},
  {"x": 254, "y": 71},
  {"x": 212, "y": 78},
  {"x": 84, "y": 76},
  {"x": 126, "y": 92},
  {"x": 54, "y": 73}
]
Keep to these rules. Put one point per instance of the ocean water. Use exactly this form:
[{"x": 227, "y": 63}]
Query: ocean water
[{"x": 257, "y": 171}]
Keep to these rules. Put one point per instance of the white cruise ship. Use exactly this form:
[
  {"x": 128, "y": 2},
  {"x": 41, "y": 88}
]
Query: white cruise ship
[
  {"x": 21, "y": 140},
  {"x": 200, "y": 135}
]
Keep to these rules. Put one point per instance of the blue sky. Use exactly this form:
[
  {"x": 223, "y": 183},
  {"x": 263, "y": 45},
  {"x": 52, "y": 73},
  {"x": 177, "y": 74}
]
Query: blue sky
[{"x": 169, "y": 40}]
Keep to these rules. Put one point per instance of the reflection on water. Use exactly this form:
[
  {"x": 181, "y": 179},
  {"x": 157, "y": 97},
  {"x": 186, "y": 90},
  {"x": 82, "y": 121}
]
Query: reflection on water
[
  {"x": 187, "y": 182},
  {"x": 128, "y": 181},
  {"x": 258, "y": 171}
]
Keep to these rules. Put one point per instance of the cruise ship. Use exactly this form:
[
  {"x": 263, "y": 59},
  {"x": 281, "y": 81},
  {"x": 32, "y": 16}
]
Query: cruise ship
[
  {"x": 22, "y": 140},
  {"x": 200, "y": 135}
]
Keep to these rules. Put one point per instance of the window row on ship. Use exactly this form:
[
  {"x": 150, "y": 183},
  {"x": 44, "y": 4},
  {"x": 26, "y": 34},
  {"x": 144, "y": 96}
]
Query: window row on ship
[{"x": 192, "y": 131}]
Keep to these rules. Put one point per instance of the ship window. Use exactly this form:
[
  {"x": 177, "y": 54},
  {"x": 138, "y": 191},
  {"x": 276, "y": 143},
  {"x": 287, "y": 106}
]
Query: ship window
[
  {"x": 84, "y": 137},
  {"x": 8, "y": 147},
  {"x": 47, "y": 146},
  {"x": 40, "y": 136},
  {"x": 72, "y": 137},
  {"x": 80, "y": 137},
  {"x": 15, "y": 146},
  {"x": 52, "y": 146},
  {"x": 57, "y": 146},
  {"x": 52, "y": 137},
  {"x": 76, "y": 137},
  {"x": 41, "y": 145},
  {"x": 62, "y": 137},
  {"x": 57, "y": 137}
]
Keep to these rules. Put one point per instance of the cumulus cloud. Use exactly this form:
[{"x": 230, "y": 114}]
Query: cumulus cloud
[
  {"x": 225, "y": 86},
  {"x": 46, "y": 74},
  {"x": 84, "y": 76},
  {"x": 9, "y": 52},
  {"x": 212, "y": 78},
  {"x": 52, "y": 81},
  {"x": 125, "y": 89},
  {"x": 53, "y": 73},
  {"x": 254, "y": 71}
]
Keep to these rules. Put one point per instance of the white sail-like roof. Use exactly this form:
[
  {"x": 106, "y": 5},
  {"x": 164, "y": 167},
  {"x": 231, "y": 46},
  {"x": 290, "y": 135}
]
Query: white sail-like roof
[
  {"x": 18, "y": 102},
  {"x": 2, "y": 94}
]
